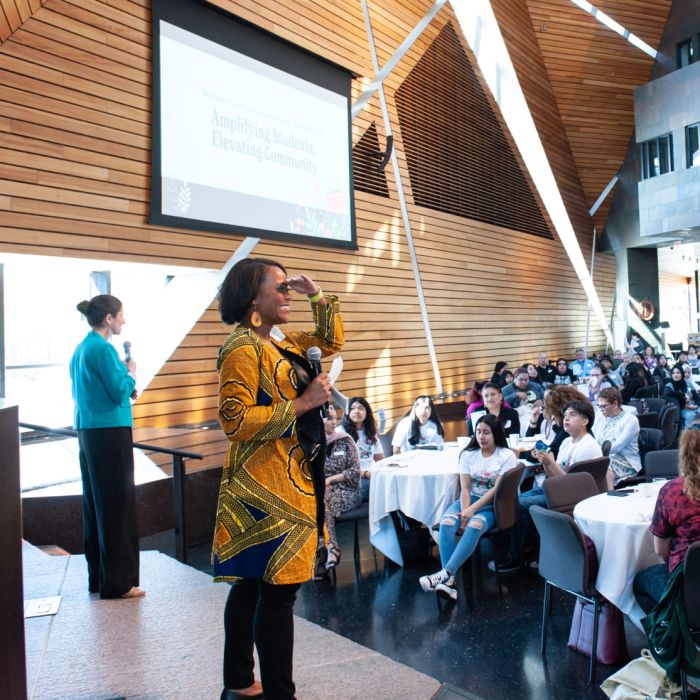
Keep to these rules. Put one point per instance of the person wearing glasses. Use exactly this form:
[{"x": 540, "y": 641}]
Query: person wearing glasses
[
  {"x": 596, "y": 384},
  {"x": 622, "y": 429}
]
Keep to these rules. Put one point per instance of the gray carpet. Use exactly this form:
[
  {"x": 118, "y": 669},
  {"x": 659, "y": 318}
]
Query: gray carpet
[{"x": 169, "y": 643}]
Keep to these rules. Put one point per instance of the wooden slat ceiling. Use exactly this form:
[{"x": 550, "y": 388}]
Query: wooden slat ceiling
[
  {"x": 593, "y": 72},
  {"x": 14, "y": 13}
]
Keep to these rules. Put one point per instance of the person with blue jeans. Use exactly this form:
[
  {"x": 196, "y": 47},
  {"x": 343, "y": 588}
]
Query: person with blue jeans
[
  {"x": 580, "y": 445},
  {"x": 481, "y": 465}
]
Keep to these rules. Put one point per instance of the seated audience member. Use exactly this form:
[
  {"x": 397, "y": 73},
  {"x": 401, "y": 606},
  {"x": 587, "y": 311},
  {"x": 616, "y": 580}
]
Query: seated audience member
[
  {"x": 675, "y": 524},
  {"x": 662, "y": 369},
  {"x": 481, "y": 465},
  {"x": 649, "y": 358},
  {"x": 498, "y": 370},
  {"x": 563, "y": 374},
  {"x": 532, "y": 374},
  {"x": 690, "y": 378},
  {"x": 596, "y": 383},
  {"x": 609, "y": 374},
  {"x": 692, "y": 356},
  {"x": 579, "y": 417},
  {"x": 545, "y": 371},
  {"x": 635, "y": 379},
  {"x": 342, "y": 472},
  {"x": 473, "y": 395},
  {"x": 522, "y": 390},
  {"x": 622, "y": 429},
  {"x": 683, "y": 395},
  {"x": 495, "y": 405},
  {"x": 420, "y": 427},
  {"x": 581, "y": 367},
  {"x": 478, "y": 404},
  {"x": 635, "y": 343},
  {"x": 682, "y": 358},
  {"x": 617, "y": 359},
  {"x": 360, "y": 425},
  {"x": 638, "y": 359},
  {"x": 507, "y": 377}
]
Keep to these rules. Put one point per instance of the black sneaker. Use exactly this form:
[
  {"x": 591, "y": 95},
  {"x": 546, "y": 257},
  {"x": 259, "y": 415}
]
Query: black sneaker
[{"x": 505, "y": 566}]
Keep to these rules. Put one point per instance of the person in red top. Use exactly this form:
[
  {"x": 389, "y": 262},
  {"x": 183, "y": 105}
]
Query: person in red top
[{"x": 676, "y": 522}]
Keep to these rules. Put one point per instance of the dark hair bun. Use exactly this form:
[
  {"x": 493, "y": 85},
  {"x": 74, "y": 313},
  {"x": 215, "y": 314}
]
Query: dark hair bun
[{"x": 83, "y": 307}]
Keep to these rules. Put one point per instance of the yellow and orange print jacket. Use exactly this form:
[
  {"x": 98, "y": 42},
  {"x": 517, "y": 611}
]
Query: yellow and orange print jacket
[{"x": 266, "y": 513}]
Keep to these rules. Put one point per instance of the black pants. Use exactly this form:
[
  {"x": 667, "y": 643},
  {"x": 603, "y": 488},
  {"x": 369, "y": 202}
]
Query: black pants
[
  {"x": 109, "y": 510},
  {"x": 261, "y": 614}
]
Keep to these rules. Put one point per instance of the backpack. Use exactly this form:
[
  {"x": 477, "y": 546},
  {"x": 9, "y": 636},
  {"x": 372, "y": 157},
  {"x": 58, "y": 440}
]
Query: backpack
[{"x": 666, "y": 626}]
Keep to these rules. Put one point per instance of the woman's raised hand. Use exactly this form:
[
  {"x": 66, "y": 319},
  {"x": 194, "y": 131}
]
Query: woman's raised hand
[{"x": 302, "y": 284}]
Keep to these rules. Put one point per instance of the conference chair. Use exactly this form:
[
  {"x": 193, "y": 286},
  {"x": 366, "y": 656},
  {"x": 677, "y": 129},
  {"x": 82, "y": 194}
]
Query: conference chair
[
  {"x": 691, "y": 601},
  {"x": 648, "y": 420},
  {"x": 597, "y": 468},
  {"x": 649, "y": 440},
  {"x": 646, "y": 392},
  {"x": 655, "y": 405},
  {"x": 669, "y": 424},
  {"x": 565, "y": 491},
  {"x": 564, "y": 564},
  {"x": 661, "y": 464}
]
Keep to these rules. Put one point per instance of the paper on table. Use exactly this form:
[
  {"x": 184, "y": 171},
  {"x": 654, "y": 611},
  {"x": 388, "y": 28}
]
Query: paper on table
[{"x": 336, "y": 369}]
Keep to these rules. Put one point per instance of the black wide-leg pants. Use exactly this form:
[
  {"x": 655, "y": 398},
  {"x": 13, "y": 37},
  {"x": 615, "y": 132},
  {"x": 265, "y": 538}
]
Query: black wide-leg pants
[{"x": 109, "y": 510}]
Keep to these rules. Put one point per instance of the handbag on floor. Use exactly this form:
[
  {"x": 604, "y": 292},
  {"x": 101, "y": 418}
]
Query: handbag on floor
[
  {"x": 640, "y": 679},
  {"x": 612, "y": 643}
]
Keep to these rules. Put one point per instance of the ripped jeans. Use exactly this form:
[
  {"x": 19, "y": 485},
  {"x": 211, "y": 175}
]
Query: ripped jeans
[{"x": 454, "y": 553}]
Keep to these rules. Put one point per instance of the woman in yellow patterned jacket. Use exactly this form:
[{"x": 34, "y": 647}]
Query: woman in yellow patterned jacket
[{"x": 270, "y": 510}]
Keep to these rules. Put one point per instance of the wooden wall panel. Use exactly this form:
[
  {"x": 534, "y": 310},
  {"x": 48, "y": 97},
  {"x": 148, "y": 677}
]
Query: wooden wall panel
[
  {"x": 74, "y": 181},
  {"x": 593, "y": 72}
]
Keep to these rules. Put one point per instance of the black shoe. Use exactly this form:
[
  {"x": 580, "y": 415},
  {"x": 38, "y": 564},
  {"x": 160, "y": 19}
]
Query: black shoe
[
  {"x": 505, "y": 566},
  {"x": 227, "y": 694}
]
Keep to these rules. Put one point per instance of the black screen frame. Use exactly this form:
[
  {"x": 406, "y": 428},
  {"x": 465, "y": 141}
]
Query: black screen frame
[{"x": 222, "y": 27}]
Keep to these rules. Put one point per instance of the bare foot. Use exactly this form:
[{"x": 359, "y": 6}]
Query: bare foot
[
  {"x": 252, "y": 691},
  {"x": 133, "y": 592}
]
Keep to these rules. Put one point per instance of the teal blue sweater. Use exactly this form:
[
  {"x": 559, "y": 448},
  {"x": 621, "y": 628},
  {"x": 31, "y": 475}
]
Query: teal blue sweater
[{"x": 101, "y": 385}]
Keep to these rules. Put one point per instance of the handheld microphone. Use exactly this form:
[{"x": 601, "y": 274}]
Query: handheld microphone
[
  {"x": 127, "y": 350},
  {"x": 313, "y": 355}
]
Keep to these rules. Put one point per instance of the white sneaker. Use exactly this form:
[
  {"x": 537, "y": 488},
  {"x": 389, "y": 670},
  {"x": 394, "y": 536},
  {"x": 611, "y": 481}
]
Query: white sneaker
[
  {"x": 448, "y": 589},
  {"x": 430, "y": 583}
]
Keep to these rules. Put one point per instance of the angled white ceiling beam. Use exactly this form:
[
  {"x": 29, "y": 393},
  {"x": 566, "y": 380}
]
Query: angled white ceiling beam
[
  {"x": 610, "y": 23},
  {"x": 483, "y": 34}
]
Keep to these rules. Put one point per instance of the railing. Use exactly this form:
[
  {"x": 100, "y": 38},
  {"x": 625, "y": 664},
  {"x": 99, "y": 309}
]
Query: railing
[{"x": 178, "y": 481}]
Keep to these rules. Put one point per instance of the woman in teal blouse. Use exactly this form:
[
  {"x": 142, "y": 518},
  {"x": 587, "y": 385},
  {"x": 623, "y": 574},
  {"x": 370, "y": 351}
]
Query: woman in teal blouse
[{"x": 102, "y": 388}]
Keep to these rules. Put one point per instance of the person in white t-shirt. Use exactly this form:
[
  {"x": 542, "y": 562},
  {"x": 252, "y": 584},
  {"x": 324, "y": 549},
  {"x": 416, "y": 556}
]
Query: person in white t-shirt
[
  {"x": 420, "y": 427},
  {"x": 360, "y": 425},
  {"x": 579, "y": 416},
  {"x": 481, "y": 465}
]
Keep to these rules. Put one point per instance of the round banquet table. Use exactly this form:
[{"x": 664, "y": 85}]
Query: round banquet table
[
  {"x": 420, "y": 483},
  {"x": 619, "y": 526}
]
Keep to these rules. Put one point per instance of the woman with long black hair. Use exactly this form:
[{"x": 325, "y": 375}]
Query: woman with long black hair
[
  {"x": 481, "y": 465},
  {"x": 360, "y": 425},
  {"x": 420, "y": 427}
]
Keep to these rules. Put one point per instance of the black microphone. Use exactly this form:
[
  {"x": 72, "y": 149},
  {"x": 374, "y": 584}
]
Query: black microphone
[
  {"x": 127, "y": 350},
  {"x": 313, "y": 355}
]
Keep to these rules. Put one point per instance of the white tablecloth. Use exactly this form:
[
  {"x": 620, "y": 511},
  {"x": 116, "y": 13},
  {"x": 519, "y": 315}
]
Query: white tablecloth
[
  {"x": 423, "y": 486},
  {"x": 620, "y": 529}
]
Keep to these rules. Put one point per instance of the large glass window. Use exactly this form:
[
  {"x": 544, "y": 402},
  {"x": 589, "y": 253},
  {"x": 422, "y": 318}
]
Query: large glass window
[
  {"x": 657, "y": 156},
  {"x": 684, "y": 53},
  {"x": 692, "y": 145}
]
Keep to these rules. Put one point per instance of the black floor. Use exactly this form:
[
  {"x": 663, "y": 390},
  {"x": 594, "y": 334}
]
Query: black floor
[{"x": 488, "y": 645}]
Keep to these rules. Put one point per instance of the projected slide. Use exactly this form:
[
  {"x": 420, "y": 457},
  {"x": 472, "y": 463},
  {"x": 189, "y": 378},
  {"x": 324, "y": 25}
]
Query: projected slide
[{"x": 247, "y": 145}]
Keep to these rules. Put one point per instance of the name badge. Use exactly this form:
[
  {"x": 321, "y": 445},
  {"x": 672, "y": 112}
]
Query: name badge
[
  {"x": 507, "y": 425},
  {"x": 340, "y": 453}
]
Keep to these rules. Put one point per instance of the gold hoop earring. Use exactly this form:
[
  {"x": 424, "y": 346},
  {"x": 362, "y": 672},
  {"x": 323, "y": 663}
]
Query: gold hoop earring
[{"x": 255, "y": 318}]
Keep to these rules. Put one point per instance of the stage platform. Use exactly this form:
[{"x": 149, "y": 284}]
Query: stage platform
[{"x": 168, "y": 644}]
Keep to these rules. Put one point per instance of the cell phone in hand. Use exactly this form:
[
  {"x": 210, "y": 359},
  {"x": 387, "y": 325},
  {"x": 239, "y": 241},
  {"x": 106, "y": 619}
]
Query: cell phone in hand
[{"x": 542, "y": 446}]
